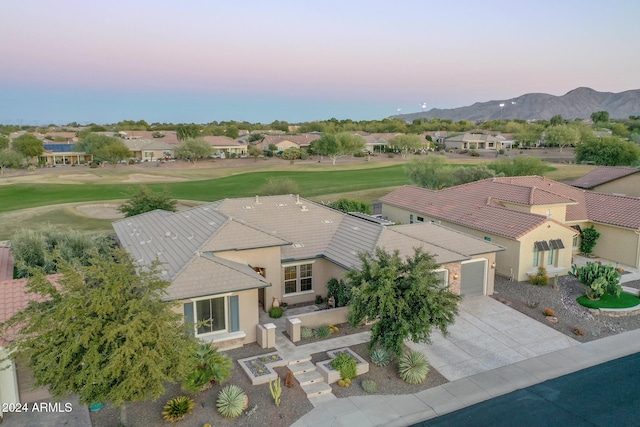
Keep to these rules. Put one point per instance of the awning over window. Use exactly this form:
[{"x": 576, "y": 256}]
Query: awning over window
[
  {"x": 556, "y": 244},
  {"x": 541, "y": 246},
  {"x": 577, "y": 228}
]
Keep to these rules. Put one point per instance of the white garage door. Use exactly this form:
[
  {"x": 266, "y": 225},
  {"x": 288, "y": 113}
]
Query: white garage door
[{"x": 473, "y": 277}]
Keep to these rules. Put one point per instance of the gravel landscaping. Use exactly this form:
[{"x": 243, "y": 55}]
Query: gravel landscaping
[{"x": 572, "y": 317}]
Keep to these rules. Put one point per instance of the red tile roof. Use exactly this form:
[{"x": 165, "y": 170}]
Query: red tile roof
[
  {"x": 477, "y": 204},
  {"x": 602, "y": 175},
  {"x": 14, "y": 298}
]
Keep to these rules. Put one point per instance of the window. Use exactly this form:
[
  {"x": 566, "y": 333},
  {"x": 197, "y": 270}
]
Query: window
[
  {"x": 487, "y": 238},
  {"x": 443, "y": 277},
  {"x": 410, "y": 218},
  {"x": 550, "y": 256},
  {"x": 575, "y": 242},
  {"x": 420, "y": 219},
  {"x": 548, "y": 213},
  {"x": 298, "y": 278},
  {"x": 211, "y": 315},
  {"x": 536, "y": 256}
]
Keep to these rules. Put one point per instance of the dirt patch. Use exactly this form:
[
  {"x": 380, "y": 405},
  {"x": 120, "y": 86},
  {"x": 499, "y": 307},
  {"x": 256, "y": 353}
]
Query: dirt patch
[
  {"x": 80, "y": 176},
  {"x": 142, "y": 177},
  {"x": 101, "y": 211}
]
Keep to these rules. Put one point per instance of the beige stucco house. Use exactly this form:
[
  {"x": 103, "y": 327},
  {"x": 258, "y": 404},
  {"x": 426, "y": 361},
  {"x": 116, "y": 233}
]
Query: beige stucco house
[
  {"x": 229, "y": 259},
  {"x": 538, "y": 221},
  {"x": 478, "y": 141},
  {"x": 611, "y": 179},
  {"x": 149, "y": 150}
]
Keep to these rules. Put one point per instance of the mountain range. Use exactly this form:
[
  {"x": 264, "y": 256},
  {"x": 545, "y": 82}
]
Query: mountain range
[{"x": 576, "y": 104}]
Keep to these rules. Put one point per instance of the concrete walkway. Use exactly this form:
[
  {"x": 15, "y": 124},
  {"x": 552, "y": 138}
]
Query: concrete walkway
[{"x": 409, "y": 409}]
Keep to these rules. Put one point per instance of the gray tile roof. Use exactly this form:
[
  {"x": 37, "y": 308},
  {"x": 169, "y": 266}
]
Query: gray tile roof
[
  {"x": 602, "y": 175},
  {"x": 198, "y": 281},
  {"x": 353, "y": 237}
]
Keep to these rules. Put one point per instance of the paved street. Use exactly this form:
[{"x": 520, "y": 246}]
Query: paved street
[{"x": 604, "y": 395}]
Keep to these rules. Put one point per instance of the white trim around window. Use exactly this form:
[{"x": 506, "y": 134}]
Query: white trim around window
[
  {"x": 439, "y": 271},
  {"x": 219, "y": 322},
  {"x": 297, "y": 278}
]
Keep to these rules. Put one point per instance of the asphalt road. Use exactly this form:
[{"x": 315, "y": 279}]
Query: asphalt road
[{"x": 604, "y": 395}]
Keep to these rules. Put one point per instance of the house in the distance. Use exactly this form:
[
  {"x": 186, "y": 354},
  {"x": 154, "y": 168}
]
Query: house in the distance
[
  {"x": 537, "y": 220},
  {"x": 229, "y": 259},
  {"x": 620, "y": 180}
]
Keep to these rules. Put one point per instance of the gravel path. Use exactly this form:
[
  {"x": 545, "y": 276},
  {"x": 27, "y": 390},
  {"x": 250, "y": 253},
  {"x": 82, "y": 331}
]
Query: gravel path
[{"x": 532, "y": 300}]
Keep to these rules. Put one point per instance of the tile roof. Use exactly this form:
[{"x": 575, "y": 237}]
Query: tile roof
[
  {"x": 14, "y": 298},
  {"x": 222, "y": 141},
  {"x": 186, "y": 242},
  {"x": 477, "y": 204},
  {"x": 229, "y": 276},
  {"x": 602, "y": 175},
  {"x": 147, "y": 144}
]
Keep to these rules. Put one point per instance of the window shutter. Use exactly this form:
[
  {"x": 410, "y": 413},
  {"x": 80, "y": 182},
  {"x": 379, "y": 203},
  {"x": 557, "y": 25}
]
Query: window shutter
[
  {"x": 234, "y": 313},
  {"x": 188, "y": 315}
]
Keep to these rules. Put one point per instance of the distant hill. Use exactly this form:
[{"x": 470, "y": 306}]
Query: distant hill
[{"x": 576, "y": 104}]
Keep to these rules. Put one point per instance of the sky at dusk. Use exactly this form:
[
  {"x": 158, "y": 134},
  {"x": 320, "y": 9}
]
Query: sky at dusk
[{"x": 205, "y": 60}]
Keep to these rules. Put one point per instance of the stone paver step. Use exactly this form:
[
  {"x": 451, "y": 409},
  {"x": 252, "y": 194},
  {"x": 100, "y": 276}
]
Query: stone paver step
[
  {"x": 322, "y": 398},
  {"x": 301, "y": 368},
  {"x": 316, "y": 389},
  {"x": 300, "y": 359},
  {"x": 309, "y": 378}
]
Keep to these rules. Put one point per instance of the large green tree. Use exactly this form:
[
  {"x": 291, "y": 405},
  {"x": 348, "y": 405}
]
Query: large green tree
[
  {"x": 351, "y": 205},
  {"x": 113, "y": 153},
  {"x": 406, "y": 298},
  {"x": 4, "y": 142},
  {"x": 9, "y": 159},
  {"x": 93, "y": 143},
  {"x": 338, "y": 145},
  {"x": 184, "y": 132},
  {"x": 28, "y": 145},
  {"x": 519, "y": 166},
  {"x": 144, "y": 200},
  {"x": 607, "y": 151},
  {"x": 463, "y": 175},
  {"x": 104, "y": 333},
  {"x": 407, "y": 143},
  {"x": 194, "y": 150},
  {"x": 561, "y": 136},
  {"x": 600, "y": 116},
  {"x": 431, "y": 172}
]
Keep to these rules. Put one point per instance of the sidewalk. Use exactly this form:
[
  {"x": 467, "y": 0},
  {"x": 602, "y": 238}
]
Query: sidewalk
[{"x": 409, "y": 409}]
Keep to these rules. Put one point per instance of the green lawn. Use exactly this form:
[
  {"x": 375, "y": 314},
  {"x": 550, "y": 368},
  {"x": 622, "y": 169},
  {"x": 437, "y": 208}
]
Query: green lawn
[
  {"x": 625, "y": 300},
  {"x": 23, "y": 196}
]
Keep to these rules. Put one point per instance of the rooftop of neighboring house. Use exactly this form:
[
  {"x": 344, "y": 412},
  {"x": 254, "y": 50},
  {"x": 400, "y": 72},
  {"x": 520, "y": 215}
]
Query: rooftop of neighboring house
[
  {"x": 483, "y": 204},
  {"x": 222, "y": 141},
  {"x": 300, "y": 228},
  {"x": 302, "y": 140},
  {"x": 6, "y": 263},
  {"x": 169, "y": 137},
  {"x": 602, "y": 175},
  {"x": 148, "y": 144}
]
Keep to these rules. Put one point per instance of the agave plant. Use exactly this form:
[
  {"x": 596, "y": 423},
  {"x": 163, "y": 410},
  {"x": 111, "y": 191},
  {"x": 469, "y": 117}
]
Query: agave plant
[
  {"x": 413, "y": 367},
  {"x": 323, "y": 332},
  {"x": 379, "y": 357},
  {"x": 231, "y": 401},
  {"x": 206, "y": 366},
  {"x": 177, "y": 408}
]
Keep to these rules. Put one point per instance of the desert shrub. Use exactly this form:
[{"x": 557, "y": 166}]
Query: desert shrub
[
  {"x": 369, "y": 386},
  {"x": 206, "y": 366},
  {"x": 391, "y": 155},
  {"x": 501, "y": 151},
  {"x": 413, "y": 367},
  {"x": 274, "y": 186},
  {"x": 306, "y": 333},
  {"x": 463, "y": 151},
  {"x": 540, "y": 278},
  {"x": 319, "y": 299},
  {"x": 474, "y": 153},
  {"x": 177, "y": 408},
  {"x": 549, "y": 312},
  {"x": 578, "y": 331},
  {"x": 304, "y": 155},
  {"x": 333, "y": 329},
  {"x": 231, "y": 401},
  {"x": 276, "y": 312},
  {"x": 346, "y": 365},
  {"x": 323, "y": 332},
  {"x": 379, "y": 357}
]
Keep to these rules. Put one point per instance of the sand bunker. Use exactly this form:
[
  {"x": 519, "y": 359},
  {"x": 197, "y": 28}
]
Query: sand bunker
[
  {"x": 101, "y": 211},
  {"x": 79, "y": 176},
  {"x": 141, "y": 177}
]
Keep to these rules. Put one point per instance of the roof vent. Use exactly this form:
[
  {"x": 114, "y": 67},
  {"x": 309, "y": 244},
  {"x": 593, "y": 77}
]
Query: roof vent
[
  {"x": 248, "y": 207},
  {"x": 281, "y": 205},
  {"x": 327, "y": 221},
  {"x": 298, "y": 199},
  {"x": 167, "y": 234},
  {"x": 298, "y": 245},
  {"x": 257, "y": 200},
  {"x": 304, "y": 208}
]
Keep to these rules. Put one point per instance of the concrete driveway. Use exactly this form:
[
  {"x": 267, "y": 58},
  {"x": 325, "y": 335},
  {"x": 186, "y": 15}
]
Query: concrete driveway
[{"x": 486, "y": 335}]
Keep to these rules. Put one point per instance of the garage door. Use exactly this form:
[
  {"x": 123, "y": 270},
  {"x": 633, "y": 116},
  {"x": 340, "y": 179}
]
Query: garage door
[{"x": 473, "y": 277}]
